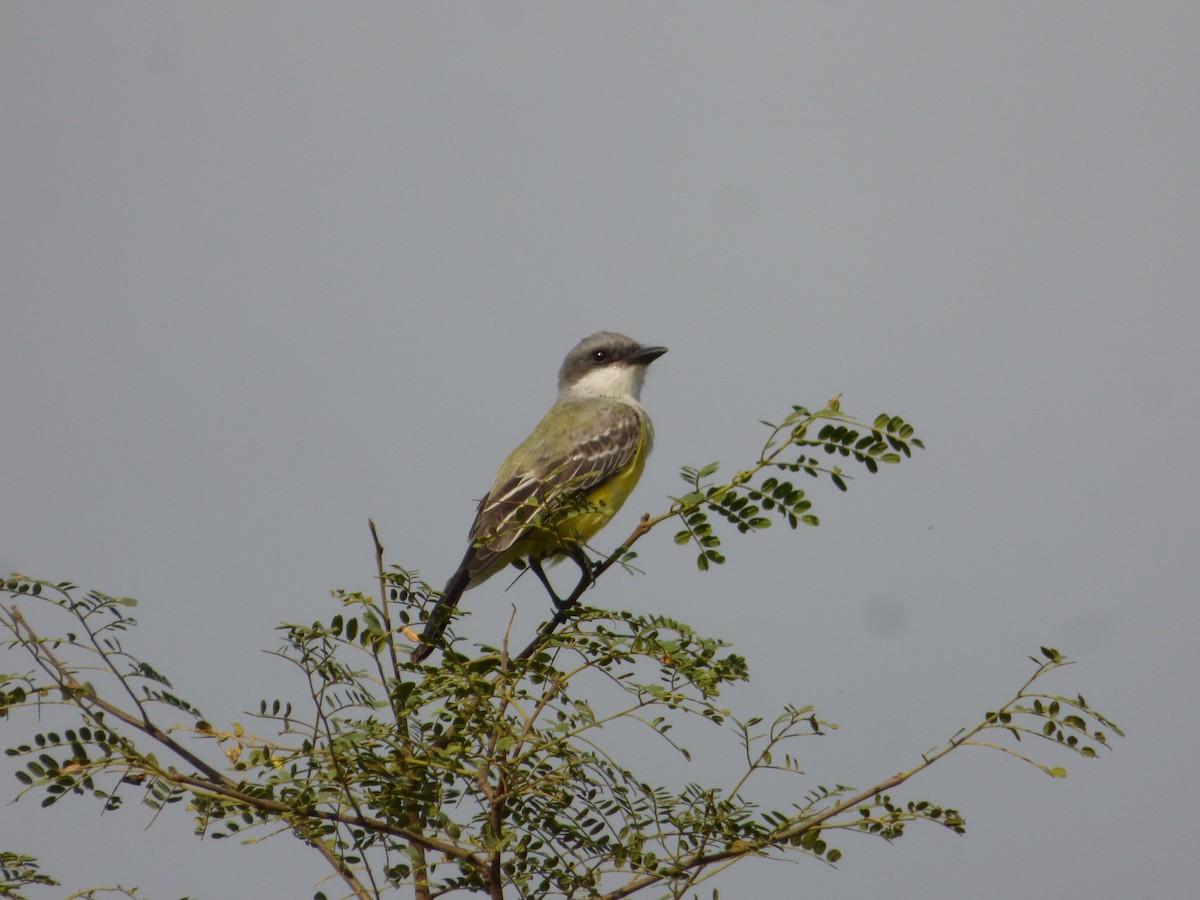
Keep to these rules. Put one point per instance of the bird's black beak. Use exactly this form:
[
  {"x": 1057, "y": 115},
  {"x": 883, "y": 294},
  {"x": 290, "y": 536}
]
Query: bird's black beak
[{"x": 645, "y": 355}]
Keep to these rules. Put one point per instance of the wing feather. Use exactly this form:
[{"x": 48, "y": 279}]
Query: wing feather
[{"x": 601, "y": 441}]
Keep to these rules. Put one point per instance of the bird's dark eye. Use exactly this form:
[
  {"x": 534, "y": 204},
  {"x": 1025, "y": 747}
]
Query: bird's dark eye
[{"x": 599, "y": 356}]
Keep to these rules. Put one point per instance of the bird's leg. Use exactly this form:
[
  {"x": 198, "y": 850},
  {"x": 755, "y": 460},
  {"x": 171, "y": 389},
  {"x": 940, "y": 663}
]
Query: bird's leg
[
  {"x": 535, "y": 566},
  {"x": 586, "y": 576}
]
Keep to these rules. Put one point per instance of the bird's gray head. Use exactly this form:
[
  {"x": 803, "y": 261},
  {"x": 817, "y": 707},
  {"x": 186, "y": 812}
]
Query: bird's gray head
[{"x": 607, "y": 364}]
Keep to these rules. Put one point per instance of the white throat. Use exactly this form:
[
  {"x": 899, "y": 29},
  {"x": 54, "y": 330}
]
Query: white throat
[{"x": 618, "y": 382}]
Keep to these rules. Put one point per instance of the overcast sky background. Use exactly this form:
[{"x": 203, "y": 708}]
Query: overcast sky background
[{"x": 268, "y": 270}]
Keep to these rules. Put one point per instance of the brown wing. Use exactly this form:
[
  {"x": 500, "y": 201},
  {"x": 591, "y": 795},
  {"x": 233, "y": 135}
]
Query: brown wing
[{"x": 600, "y": 441}]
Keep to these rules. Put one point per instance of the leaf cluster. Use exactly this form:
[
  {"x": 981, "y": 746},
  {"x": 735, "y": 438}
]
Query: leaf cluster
[
  {"x": 18, "y": 871},
  {"x": 491, "y": 770},
  {"x": 752, "y": 500}
]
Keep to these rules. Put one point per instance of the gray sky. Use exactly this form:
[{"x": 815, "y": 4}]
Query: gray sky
[{"x": 268, "y": 270}]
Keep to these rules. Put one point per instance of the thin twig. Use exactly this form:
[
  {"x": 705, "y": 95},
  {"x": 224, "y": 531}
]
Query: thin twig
[
  {"x": 383, "y": 600},
  {"x": 421, "y": 888},
  {"x": 786, "y": 835}
]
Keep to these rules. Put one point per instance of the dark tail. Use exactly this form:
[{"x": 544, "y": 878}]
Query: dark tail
[{"x": 439, "y": 616}]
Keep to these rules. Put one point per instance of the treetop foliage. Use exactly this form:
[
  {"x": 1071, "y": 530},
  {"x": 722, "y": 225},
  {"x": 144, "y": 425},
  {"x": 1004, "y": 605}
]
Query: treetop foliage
[{"x": 505, "y": 767}]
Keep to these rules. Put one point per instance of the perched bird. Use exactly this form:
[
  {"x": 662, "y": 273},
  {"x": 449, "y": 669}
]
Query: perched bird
[{"x": 569, "y": 477}]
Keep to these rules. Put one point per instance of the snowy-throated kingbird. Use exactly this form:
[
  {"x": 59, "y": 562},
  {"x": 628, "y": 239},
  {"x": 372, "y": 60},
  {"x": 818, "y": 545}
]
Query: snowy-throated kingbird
[{"x": 569, "y": 477}]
